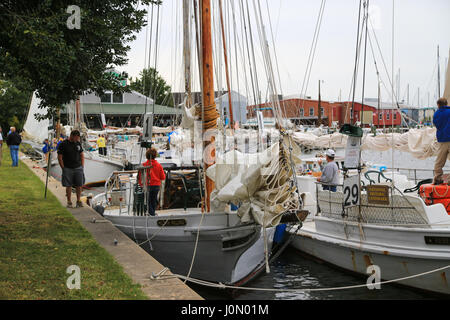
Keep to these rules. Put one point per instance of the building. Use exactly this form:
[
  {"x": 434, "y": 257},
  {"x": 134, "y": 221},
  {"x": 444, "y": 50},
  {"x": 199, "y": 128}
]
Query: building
[
  {"x": 306, "y": 112},
  {"x": 238, "y": 102},
  {"x": 120, "y": 110}
]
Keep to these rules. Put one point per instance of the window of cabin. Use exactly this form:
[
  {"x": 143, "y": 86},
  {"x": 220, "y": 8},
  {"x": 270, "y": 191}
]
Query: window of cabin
[
  {"x": 302, "y": 112},
  {"x": 106, "y": 98},
  {"x": 322, "y": 111},
  {"x": 311, "y": 111},
  {"x": 387, "y": 115},
  {"x": 118, "y": 98},
  {"x": 380, "y": 116}
]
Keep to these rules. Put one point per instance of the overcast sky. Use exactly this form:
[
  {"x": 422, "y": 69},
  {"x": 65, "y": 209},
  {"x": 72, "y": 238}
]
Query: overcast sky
[{"x": 419, "y": 27}]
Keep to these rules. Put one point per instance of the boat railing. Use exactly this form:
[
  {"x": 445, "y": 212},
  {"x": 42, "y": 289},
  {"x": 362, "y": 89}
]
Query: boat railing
[
  {"x": 350, "y": 204},
  {"x": 414, "y": 174}
]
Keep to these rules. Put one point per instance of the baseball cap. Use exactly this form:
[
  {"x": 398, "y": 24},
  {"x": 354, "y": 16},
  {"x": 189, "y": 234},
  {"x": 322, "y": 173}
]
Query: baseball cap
[{"x": 330, "y": 153}]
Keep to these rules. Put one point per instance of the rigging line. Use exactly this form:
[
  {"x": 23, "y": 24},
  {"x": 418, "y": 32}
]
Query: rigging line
[
  {"x": 246, "y": 48},
  {"x": 258, "y": 92},
  {"x": 356, "y": 62},
  {"x": 274, "y": 49},
  {"x": 242, "y": 52},
  {"x": 315, "y": 36},
  {"x": 314, "y": 52},
  {"x": 157, "y": 38},
  {"x": 382, "y": 57},
  {"x": 366, "y": 7},
  {"x": 355, "y": 75}
]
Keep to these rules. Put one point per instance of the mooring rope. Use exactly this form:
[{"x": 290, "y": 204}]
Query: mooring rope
[{"x": 160, "y": 276}]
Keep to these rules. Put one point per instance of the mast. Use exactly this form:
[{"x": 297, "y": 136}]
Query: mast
[
  {"x": 187, "y": 52},
  {"x": 438, "y": 74},
  {"x": 210, "y": 114},
  {"x": 230, "y": 106},
  {"x": 447, "y": 82}
]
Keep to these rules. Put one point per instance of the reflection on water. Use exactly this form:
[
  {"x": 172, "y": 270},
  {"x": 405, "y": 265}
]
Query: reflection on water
[{"x": 292, "y": 270}]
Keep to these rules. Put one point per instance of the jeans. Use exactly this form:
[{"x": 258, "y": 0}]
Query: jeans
[
  {"x": 152, "y": 199},
  {"x": 14, "y": 150},
  {"x": 331, "y": 188}
]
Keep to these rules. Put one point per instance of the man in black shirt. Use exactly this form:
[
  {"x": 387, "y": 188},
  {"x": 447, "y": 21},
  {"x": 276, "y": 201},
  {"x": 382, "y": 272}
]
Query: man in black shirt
[{"x": 71, "y": 160}]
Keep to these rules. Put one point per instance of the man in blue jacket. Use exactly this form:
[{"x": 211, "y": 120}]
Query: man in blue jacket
[{"x": 441, "y": 120}]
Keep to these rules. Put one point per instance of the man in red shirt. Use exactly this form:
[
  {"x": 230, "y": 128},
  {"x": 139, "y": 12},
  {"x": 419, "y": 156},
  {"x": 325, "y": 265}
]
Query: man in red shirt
[{"x": 154, "y": 175}]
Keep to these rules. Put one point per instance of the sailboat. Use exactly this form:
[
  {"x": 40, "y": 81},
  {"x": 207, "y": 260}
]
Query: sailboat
[
  {"x": 96, "y": 169},
  {"x": 211, "y": 240},
  {"x": 401, "y": 235}
]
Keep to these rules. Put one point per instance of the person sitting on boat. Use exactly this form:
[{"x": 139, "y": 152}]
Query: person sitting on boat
[
  {"x": 155, "y": 174},
  {"x": 441, "y": 120},
  {"x": 330, "y": 173}
]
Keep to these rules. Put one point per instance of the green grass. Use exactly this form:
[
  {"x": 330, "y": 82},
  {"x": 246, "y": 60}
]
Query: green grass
[{"x": 39, "y": 239}]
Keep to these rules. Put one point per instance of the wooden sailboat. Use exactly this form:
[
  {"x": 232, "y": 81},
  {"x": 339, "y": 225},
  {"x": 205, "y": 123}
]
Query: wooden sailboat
[{"x": 212, "y": 244}]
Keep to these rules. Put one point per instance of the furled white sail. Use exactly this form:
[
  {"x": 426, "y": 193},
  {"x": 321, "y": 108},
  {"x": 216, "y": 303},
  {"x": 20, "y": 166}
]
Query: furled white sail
[
  {"x": 447, "y": 82},
  {"x": 259, "y": 182},
  {"x": 34, "y": 129}
]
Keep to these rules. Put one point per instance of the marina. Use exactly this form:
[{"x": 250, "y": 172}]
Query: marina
[{"x": 177, "y": 160}]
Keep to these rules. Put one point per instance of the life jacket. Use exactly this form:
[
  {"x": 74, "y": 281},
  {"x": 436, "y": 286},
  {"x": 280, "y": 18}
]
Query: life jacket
[{"x": 432, "y": 194}]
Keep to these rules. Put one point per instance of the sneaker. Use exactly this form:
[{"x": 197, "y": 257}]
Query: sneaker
[
  {"x": 69, "y": 205},
  {"x": 79, "y": 204}
]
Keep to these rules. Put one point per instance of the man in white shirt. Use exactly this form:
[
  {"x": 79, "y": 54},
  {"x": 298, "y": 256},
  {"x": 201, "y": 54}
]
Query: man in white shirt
[{"x": 330, "y": 173}]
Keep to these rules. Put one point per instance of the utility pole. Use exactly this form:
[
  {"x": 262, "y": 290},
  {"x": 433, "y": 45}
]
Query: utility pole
[{"x": 319, "y": 117}]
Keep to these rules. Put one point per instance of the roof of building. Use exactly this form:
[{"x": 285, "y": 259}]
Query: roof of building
[{"x": 126, "y": 109}]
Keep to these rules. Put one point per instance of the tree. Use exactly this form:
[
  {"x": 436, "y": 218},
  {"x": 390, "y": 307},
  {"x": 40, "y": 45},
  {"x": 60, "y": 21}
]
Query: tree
[
  {"x": 41, "y": 41},
  {"x": 14, "y": 102},
  {"x": 152, "y": 85}
]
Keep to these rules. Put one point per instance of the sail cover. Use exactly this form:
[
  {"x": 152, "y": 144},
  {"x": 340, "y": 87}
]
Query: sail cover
[
  {"x": 260, "y": 183},
  {"x": 36, "y": 130}
]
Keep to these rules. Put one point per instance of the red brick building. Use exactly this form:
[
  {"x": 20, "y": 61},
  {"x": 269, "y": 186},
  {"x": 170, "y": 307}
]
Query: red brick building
[{"x": 303, "y": 111}]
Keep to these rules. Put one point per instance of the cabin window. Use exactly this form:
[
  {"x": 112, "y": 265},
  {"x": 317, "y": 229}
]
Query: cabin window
[
  {"x": 380, "y": 116},
  {"x": 118, "y": 98},
  {"x": 395, "y": 115},
  {"x": 311, "y": 111},
  {"x": 105, "y": 98},
  {"x": 322, "y": 112},
  {"x": 387, "y": 115}
]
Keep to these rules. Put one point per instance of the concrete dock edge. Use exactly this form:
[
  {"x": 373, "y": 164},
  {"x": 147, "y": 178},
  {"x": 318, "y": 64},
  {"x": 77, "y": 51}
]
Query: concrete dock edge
[{"x": 136, "y": 262}]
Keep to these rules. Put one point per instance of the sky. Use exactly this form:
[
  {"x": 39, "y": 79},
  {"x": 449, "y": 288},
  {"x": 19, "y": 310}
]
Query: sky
[{"x": 414, "y": 27}]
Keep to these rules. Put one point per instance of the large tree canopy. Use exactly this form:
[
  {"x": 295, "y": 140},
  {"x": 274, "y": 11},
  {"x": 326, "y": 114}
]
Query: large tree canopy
[
  {"x": 59, "y": 62},
  {"x": 151, "y": 84},
  {"x": 15, "y": 99}
]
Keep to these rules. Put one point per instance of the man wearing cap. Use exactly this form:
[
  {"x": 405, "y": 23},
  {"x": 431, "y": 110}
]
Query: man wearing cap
[{"x": 330, "y": 177}]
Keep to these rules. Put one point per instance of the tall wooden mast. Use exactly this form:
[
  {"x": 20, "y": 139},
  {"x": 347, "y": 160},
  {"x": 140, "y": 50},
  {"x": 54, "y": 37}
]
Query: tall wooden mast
[
  {"x": 187, "y": 52},
  {"x": 209, "y": 111}
]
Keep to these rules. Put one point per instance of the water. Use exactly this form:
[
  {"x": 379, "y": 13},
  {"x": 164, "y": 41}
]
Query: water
[{"x": 293, "y": 270}]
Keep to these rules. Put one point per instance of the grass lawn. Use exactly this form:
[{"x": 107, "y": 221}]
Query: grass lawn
[{"x": 39, "y": 239}]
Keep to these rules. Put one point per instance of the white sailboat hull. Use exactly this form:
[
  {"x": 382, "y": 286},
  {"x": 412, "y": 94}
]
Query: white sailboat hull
[
  {"x": 227, "y": 253},
  {"x": 398, "y": 251},
  {"x": 96, "y": 169}
]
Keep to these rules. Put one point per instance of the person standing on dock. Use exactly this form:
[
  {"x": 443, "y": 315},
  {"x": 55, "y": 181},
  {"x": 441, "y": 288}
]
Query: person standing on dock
[
  {"x": 71, "y": 160},
  {"x": 330, "y": 173},
  {"x": 13, "y": 141},
  {"x": 154, "y": 175},
  {"x": 46, "y": 149},
  {"x": 441, "y": 120}
]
